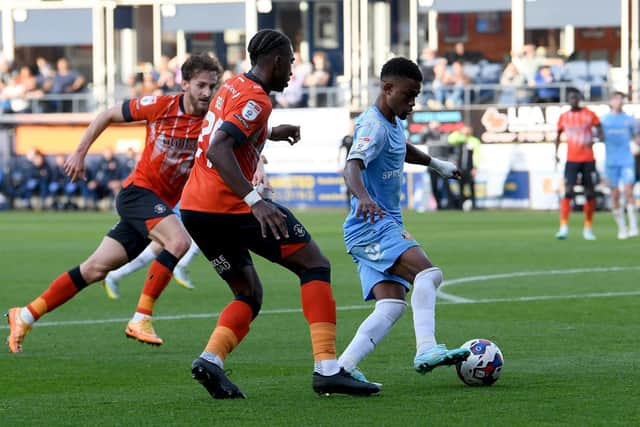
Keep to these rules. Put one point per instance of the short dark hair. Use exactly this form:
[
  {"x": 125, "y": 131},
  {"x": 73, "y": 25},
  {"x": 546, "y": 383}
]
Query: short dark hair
[
  {"x": 265, "y": 42},
  {"x": 198, "y": 63},
  {"x": 574, "y": 90},
  {"x": 401, "y": 67},
  {"x": 619, "y": 93}
]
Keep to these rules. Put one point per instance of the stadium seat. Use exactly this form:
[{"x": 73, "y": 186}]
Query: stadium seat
[{"x": 576, "y": 71}]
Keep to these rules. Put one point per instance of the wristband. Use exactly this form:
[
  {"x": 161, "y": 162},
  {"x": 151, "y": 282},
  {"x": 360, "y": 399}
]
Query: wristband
[{"x": 252, "y": 198}]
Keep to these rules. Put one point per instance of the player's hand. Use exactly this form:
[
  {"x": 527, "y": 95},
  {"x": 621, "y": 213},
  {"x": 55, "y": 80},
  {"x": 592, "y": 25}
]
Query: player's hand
[
  {"x": 289, "y": 133},
  {"x": 368, "y": 209},
  {"x": 74, "y": 166},
  {"x": 268, "y": 215},
  {"x": 445, "y": 169}
]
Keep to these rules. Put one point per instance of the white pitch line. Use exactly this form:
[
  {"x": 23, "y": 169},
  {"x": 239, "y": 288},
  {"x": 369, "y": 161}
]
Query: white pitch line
[
  {"x": 343, "y": 308},
  {"x": 461, "y": 300}
]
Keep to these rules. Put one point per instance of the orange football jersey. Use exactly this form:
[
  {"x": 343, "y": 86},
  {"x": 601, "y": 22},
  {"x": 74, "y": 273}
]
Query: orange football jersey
[
  {"x": 241, "y": 108},
  {"x": 170, "y": 145},
  {"x": 578, "y": 127}
]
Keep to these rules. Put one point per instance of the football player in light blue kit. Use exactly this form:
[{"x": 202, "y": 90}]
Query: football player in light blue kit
[
  {"x": 389, "y": 261},
  {"x": 618, "y": 128}
]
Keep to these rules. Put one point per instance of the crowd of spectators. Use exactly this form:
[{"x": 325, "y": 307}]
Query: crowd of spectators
[
  {"x": 529, "y": 75},
  {"x": 23, "y": 86},
  {"x": 36, "y": 181}
]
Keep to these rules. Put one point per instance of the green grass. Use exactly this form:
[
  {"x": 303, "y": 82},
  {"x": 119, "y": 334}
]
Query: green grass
[{"x": 570, "y": 359}]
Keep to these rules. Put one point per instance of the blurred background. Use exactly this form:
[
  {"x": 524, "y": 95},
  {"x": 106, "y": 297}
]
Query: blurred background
[{"x": 495, "y": 79}]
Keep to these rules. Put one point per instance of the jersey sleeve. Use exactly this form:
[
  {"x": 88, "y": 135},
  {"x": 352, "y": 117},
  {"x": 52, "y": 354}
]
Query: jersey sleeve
[
  {"x": 143, "y": 108},
  {"x": 246, "y": 117},
  {"x": 595, "y": 120},
  {"x": 368, "y": 142}
]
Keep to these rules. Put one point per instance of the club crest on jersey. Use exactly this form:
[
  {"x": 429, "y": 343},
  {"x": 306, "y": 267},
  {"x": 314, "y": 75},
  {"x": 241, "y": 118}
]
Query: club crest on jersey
[
  {"x": 148, "y": 100},
  {"x": 159, "y": 208},
  {"x": 251, "y": 111}
]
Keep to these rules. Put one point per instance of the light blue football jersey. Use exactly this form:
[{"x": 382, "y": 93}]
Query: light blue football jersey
[
  {"x": 381, "y": 147},
  {"x": 618, "y": 131}
]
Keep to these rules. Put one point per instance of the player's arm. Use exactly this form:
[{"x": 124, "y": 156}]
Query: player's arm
[
  {"x": 220, "y": 154},
  {"x": 74, "y": 166},
  {"x": 443, "y": 168},
  {"x": 367, "y": 207},
  {"x": 557, "y": 141},
  {"x": 600, "y": 132}
]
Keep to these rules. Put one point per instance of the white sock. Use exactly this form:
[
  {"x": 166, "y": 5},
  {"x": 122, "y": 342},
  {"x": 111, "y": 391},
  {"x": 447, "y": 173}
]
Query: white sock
[
  {"x": 139, "y": 316},
  {"x": 26, "y": 316},
  {"x": 633, "y": 217},
  {"x": 213, "y": 358},
  {"x": 423, "y": 304},
  {"x": 374, "y": 328},
  {"x": 188, "y": 257},
  {"x": 564, "y": 228},
  {"x": 618, "y": 215},
  {"x": 326, "y": 367},
  {"x": 135, "y": 264}
]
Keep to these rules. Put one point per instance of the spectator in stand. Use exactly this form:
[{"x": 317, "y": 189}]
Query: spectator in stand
[
  {"x": 320, "y": 77},
  {"x": 428, "y": 60},
  {"x": 460, "y": 54},
  {"x": 45, "y": 70},
  {"x": 528, "y": 62},
  {"x": 106, "y": 180},
  {"x": 544, "y": 77},
  {"x": 293, "y": 95},
  {"x": 166, "y": 81},
  {"x": 31, "y": 176},
  {"x": 20, "y": 88},
  {"x": 512, "y": 83},
  {"x": 64, "y": 81},
  {"x": 439, "y": 85},
  {"x": 61, "y": 185},
  {"x": 130, "y": 162},
  {"x": 5, "y": 81},
  {"x": 145, "y": 81},
  {"x": 456, "y": 81}
]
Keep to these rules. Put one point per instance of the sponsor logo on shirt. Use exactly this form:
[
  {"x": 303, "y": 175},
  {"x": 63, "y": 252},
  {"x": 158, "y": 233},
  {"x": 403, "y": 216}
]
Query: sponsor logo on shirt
[
  {"x": 362, "y": 143},
  {"x": 220, "y": 264},
  {"x": 251, "y": 111},
  {"x": 241, "y": 120},
  {"x": 392, "y": 174}
]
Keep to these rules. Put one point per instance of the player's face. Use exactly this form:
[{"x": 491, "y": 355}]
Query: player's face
[
  {"x": 616, "y": 102},
  {"x": 401, "y": 96},
  {"x": 199, "y": 90},
  {"x": 282, "y": 71},
  {"x": 574, "y": 99}
]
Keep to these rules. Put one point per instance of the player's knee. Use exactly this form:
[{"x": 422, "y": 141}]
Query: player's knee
[
  {"x": 322, "y": 273},
  {"x": 253, "y": 301},
  {"x": 431, "y": 275},
  {"x": 179, "y": 245},
  {"x": 93, "y": 270},
  {"x": 391, "y": 308}
]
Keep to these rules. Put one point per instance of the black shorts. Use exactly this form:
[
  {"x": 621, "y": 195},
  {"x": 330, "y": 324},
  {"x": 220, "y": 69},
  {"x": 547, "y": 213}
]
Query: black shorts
[
  {"x": 226, "y": 239},
  {"x": 588, "y": 172},
  {"x": 140, "y": 210}
]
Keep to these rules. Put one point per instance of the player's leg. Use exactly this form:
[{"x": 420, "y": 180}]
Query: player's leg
[
  {"x": 628, "y": 179},
  {"x": 171, "y": 234},
  {"x": 415, "y": 267},
  {"x": 570, "y": 179},
  {"x": 181, "y": 272},
  {"x": 111, "y": 285},
  {"x": 109, "y": 254},
  {"x": 234, "y": 265},
  {"x": 390, "y": 306},
  {"x": 589, "y": 180},
  {"x": 613, "y": 179},
  {"x": 319, "y": 309}
]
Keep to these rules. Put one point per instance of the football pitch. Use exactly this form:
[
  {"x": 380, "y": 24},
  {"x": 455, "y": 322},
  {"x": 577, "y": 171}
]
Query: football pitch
[{"x": 564, "y": 313}]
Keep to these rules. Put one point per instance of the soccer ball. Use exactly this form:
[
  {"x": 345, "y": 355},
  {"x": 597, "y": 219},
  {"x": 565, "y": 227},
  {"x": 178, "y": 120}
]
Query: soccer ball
[{"x": 483, "y": 366}]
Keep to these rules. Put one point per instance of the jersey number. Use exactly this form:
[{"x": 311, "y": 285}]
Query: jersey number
[{"x": 212, "y": 125}]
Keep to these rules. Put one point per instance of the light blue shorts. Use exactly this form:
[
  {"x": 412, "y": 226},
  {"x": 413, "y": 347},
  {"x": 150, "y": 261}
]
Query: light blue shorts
[
  {"x": 176, "y": 210},
  {"x": 374, "y": 258},
  {"x": 620, "y": 174}
]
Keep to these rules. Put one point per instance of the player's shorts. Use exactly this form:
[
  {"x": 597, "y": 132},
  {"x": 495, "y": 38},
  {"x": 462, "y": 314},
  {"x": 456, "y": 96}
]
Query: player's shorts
[
  {"x": 620, "y": 174},
  {"x": 378, "y": 255},
  {"x": 226, "y": 239},
  {"x": 586, "y": 169},
  {"x": 140, "y": 210}
]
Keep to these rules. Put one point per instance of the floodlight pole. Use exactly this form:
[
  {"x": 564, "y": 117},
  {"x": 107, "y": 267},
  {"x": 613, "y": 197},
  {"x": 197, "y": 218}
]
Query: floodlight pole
[
  {"x": 635, "y": 48},
  {"x": 517, "y": 25},
  {"x": 624, "y": 42},
  {"x": 8, "y": 38}
]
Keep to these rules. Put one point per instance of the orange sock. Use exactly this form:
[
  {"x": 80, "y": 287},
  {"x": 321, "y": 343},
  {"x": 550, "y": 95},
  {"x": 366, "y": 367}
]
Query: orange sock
[
  {"x": 232, "y": 327},
  {"x": 589, "y": 208},
  {"x": 61, "y": 290},
  {"x": 158, "y": 278},
  {"x": 565, "y": 208},
  {"x": 319, "y": 309}
]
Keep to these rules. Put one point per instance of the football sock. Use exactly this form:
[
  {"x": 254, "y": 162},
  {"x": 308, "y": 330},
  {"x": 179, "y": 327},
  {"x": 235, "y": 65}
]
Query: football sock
[
  {"x": 565, "y": 209},
  {"x": 188, "y": 257},
  {"x": 633, "y": 218},
  {"x": 423, "y": 304},
  {"x": 319, "y": 309},
  {"x": 374, "y": 328},
  {"x": 213, "y": 358},
  {"x": 158, "y": 278},
  {"x": 618, "y": 215},
  {"x": 589, "y": 208},
  {"x": 61, "y": 290},
  {"x": 135, "y": 264},
  {"x": 232, "y": 327}
]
